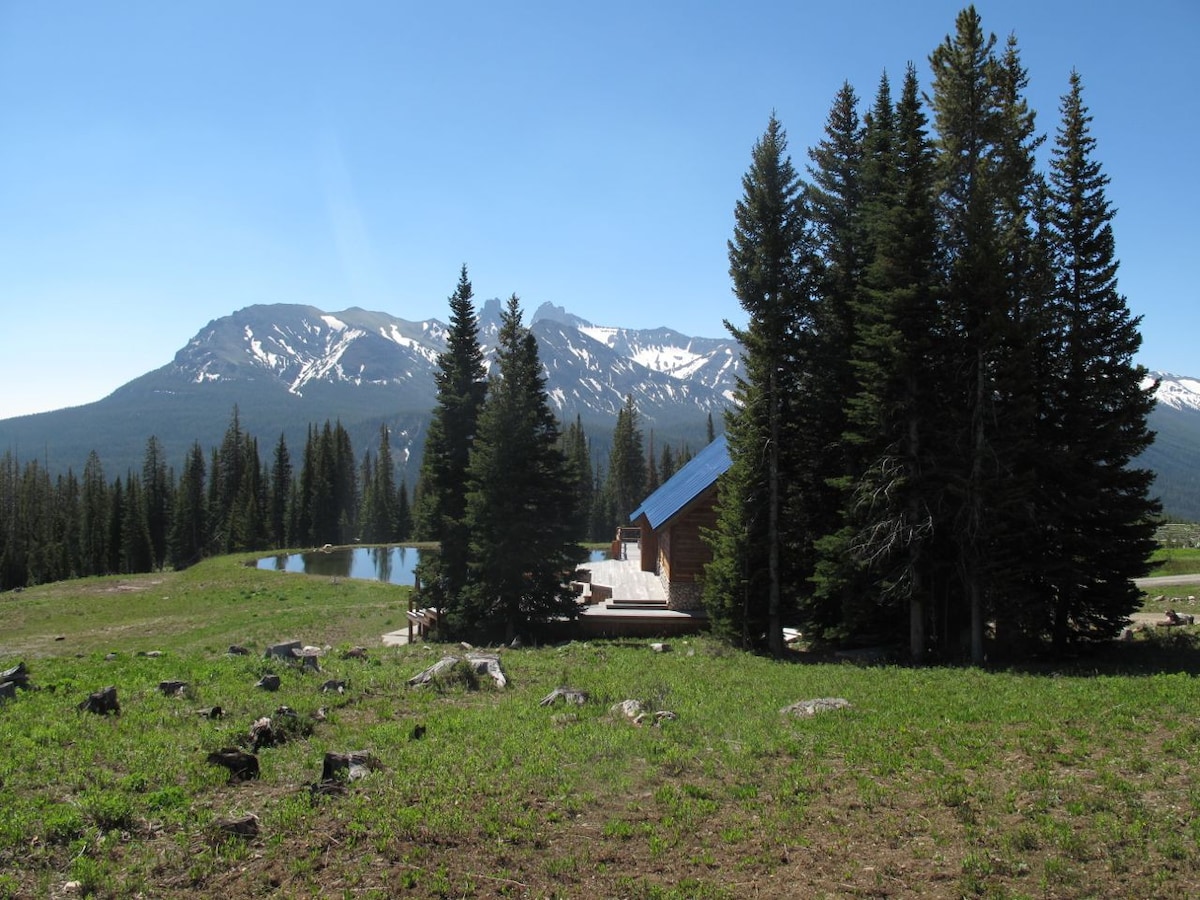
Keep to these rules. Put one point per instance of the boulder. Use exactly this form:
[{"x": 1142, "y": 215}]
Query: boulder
[{"x": 808, "y": 708}]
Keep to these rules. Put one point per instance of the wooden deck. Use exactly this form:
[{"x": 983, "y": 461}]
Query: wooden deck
[
  {"x": 636, "y": 607},
  {"x": 627, "y": 580}
]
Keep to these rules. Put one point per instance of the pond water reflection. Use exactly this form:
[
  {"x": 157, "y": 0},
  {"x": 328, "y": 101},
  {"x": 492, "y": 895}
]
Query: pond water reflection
[{"x": 394, "y": 565}]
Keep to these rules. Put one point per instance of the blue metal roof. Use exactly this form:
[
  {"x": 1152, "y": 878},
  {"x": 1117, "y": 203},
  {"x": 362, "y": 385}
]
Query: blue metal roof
[{"x": 701, "y": 471}]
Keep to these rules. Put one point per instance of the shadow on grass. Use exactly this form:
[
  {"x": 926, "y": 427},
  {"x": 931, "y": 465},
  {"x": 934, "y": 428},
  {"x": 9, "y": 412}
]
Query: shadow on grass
[
  {"x": 1156, "y": 652},
  {"x": 1159, "y": 652}
]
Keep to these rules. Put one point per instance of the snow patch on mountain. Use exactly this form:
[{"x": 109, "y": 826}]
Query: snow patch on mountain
[{"x": 1176, "y": 391}]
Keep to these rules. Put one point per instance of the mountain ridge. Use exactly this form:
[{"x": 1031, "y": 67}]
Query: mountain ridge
[{"x": 285, "y": 366}]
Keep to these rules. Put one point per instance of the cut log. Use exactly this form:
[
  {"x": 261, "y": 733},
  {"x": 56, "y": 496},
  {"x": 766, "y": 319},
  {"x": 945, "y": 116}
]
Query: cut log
[
  {"x": 102, "y": 702},
  {"x": 480, "y": 663},
  {"x": 241, "y": 765},
  {"x": 441, "y": 666}
]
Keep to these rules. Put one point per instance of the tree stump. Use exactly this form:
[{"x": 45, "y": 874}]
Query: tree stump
[
  {"x": 241, "y": 765},
  {"x": 357, "y": 764},
  {"x": 102, "y": 702},
  {"x": 269, "y": 682},
  {"x": 262, "y": 734},
  {"x": 237, "y": 650},
  {"x": 172, "y": 688},
  {"x": 17, "y": 676},
  {"x": 8, "y": 690},
  {"x": 288, "y": 650},
  {"x": 566, "y": 695},
  {"x": 245, "y": 827},
  {"x": 333, "y": 686}
]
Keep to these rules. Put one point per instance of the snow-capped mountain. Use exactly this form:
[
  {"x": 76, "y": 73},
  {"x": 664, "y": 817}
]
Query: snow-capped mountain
[
  {"x": 1174, "y": 391},
  {"x": 286, "y": 366},
  {"x": 590, "y": 370}
]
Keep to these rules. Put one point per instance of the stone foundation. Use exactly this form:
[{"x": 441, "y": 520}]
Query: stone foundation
[{"x": 684, "y": 597}]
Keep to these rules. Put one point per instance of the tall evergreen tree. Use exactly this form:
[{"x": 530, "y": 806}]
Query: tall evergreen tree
[
  {"x": 625, "y": 486},
  {"x": 966, "y": 107},
  {"x": 403, "y": 513},
  {"x": 1098, "y": 505},
  {"x": 279, "y": 494},
  {"x": 440, "y": 512},
  {"x": 520, "y": 502},
  {"x": 137, "y": 549},
  {"x": 577, "y": 450},
  {"x": 890, "y": 504},
  {"x": 94, "y": 516},
  {"x": 837, "y": 206},
  {"x": 157, "y": 489},
  {"x": 768, "y": 259},
  {"x": 189, "y": 527}
]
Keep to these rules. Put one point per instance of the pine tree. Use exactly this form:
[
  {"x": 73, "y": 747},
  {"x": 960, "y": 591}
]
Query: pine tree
[
  {"x": 189, "y": 527},
  {"x": 577, "y": 450},
  {"x": 666, "y": 463},
  {"x": 94, "y": 515},
  {"x": 965, "y": 104},
  {"x": 826, "y": 469},
  {"x": 889, "y": 506},
  {"x": 279, "y": 494},
  {"x": 520, "y": 503},
  {"x": 767, "y": 262},
  {"x": 403, "y": 513},
  {"x": 156, "y": 495},
  {"x": 137, "y": 550},
  {"x": 1100, "y": 508},
  {"x": 441, "y": 507},
  {"x": 625, "y": 486}
]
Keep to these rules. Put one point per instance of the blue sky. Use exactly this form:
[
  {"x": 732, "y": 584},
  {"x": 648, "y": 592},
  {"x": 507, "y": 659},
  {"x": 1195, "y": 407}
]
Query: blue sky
[{"x": 164, "y": 164}]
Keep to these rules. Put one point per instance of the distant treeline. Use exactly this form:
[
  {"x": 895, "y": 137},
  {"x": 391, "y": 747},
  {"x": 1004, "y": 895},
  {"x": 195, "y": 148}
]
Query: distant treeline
[{"x": 55, "y": 527}]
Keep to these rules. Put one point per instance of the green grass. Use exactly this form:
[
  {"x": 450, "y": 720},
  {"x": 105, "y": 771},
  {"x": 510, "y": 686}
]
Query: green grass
[
  {"x": 1076, "y": 782},
  {"x": 1175, "y": 561}
]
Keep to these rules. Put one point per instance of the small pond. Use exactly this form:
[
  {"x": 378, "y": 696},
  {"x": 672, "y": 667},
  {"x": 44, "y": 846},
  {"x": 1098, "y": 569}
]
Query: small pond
[{"x": 395, "y": 565}]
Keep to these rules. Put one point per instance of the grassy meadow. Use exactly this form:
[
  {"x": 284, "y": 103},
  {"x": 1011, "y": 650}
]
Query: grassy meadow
[{"x": 1071, "y": 781}]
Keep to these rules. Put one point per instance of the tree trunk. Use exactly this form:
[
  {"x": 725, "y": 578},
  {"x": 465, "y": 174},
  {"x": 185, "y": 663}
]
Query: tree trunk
[{"x": 774, "y": 616}]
